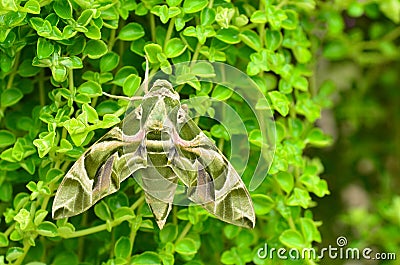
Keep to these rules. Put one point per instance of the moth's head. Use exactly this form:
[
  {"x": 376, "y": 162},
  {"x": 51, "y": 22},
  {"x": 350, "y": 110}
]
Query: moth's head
[
  {"x": 159, "y": 106},
  {"x": 162, "y": 88}
]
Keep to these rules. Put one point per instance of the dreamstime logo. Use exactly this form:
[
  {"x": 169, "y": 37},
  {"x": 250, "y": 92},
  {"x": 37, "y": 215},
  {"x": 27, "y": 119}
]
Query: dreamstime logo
[{"x": 338, "y": 252}]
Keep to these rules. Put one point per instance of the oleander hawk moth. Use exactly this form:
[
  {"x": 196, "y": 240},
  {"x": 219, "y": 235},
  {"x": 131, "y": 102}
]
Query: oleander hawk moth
[{"x": 159, "y": 142}]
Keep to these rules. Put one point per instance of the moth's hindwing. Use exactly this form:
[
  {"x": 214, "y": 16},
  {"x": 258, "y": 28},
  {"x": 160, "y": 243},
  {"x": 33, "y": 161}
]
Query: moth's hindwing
[{"x": 216, "y": 185}]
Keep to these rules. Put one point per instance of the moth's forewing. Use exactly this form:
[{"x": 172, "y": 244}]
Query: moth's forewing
[{"x": 97, "y": 173}]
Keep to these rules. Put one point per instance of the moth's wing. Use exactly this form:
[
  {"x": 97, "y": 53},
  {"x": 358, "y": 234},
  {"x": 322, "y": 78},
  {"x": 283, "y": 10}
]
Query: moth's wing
[
  {"x": 215, "y": 184},
  {"x": 216, "y": 177},
  {"x": 159, "y": 185},
  {"x": 98, "y": 173}
]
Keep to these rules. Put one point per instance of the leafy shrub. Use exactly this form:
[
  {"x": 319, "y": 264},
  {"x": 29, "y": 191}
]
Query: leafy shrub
[{"x": 56, "y": 59}]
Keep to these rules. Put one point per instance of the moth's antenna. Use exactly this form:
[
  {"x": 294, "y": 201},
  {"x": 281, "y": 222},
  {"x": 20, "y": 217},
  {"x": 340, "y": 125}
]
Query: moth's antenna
[
  {"x": 146, "y": 76},
  {"x": 121, "y": 97}
]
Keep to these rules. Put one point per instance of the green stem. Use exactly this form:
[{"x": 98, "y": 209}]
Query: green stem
[
  {"x": 138, "y": 202},
  {"x": 169, "y": 31},
  {"x": 98, "y": 228},
  {"x": 71, "y": 81},
  {"x": 13, "y": 71},
  {"x": 196, "y": 52},
  {"x": 9, "y": 229},
  {"x": 26, "y": 248},
  {"x": 112, "y": 40},
  {"x": 261, "y": 27},
  {"x": 153, "y": 28},
  {"x": 184, "y": 232},
  {"x": 281, "y": 4},
  {"x": 42, "y": 96},
  {"x": 221, "y": 142}
]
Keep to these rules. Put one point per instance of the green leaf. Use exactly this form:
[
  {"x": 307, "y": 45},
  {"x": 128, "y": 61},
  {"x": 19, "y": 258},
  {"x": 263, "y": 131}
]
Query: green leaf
[
  {"x": 85, "y": 17},
  {"x": 207, "y": 16},
  {"x": 3, "y": 240},
  {"x": 169, "y": 233},
  {"x": 123, "y": 73},
  {"x": 302, "y": 54},
  {"x": 292, "y": 239},
  {"x": 6, "y": 138},
  {"x": 273, "y": 39},
  {"x": 32, "y": 6},
  {"x": 122, "y": 248},
  {"x": 236, "y": 256},
  {"x": 93, "y": 32},
  {"x": 66, "y": 258},
  {"x": 279, "y": 102},
  {"x": 14, "y": 253},
  {"x": 299, "y": 197},
  {"x": 174, "y": 48},
  {"x": 255, "y": 137},
  {"x": 152, "y": 50},
  {"x": 23, "y": 218},
  {"x": 259, "y": 17},
  {"x": 44, "y": 144},
  {"x": 131, "y": 84},
  {"x": 193, "y": 6},
  {"x": 221, "y": 92},
  {"x": 102, "y": 211},
  {"x": 231, "y": 231},
  {"x": 90, "y": 88},
  {"x": 130, "y": 32},
  {"x": 146, "y": 258},
  {"x": 47, "y": 229},
  {"x": 310, "y": 230},
  {"x": 6, "y": 191},
  {"x": 229, "y": 35},
  {"x": 54, "y": 174},
  {"x": 291, "y": 22},
  {"x": 11, "y": 97},
  {"x": 251, "y": 39},
  {"x": 317, "y": 138},
  {"x": 308, "y": 108},
  {"x": 44, "y": 48},
  {"x": 186, "y": 246},
  {"x": 109, "y": 62},
  {"x": 174, "y": 2},
  {"x": 63, "y": 9},
  {"x": 263, "y": 204},
  {"x": 95, "y": 49},
  {"x": 107, "y": 107},
  {"x": 203, "y": 69},
  {"x": 391, "y": 9},
  {"x": 220, "y": 131},
  {"x": 26, "y": 69},
  {"x": 285, "y": 180},
  {"x": 91, "y": 113}
]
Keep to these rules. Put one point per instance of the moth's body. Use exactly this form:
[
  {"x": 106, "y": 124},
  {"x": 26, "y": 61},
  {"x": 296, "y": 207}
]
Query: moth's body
[{"x": 161, "y": 144}]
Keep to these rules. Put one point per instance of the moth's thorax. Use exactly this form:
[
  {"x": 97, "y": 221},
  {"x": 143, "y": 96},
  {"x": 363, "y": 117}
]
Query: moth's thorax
[
  {"x": 162, "y": 88},
  {"x": 161, "y": 104}
]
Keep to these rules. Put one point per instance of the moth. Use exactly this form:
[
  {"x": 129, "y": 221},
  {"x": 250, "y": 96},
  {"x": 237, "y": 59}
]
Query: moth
[{"x": 161, "y": 144}]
